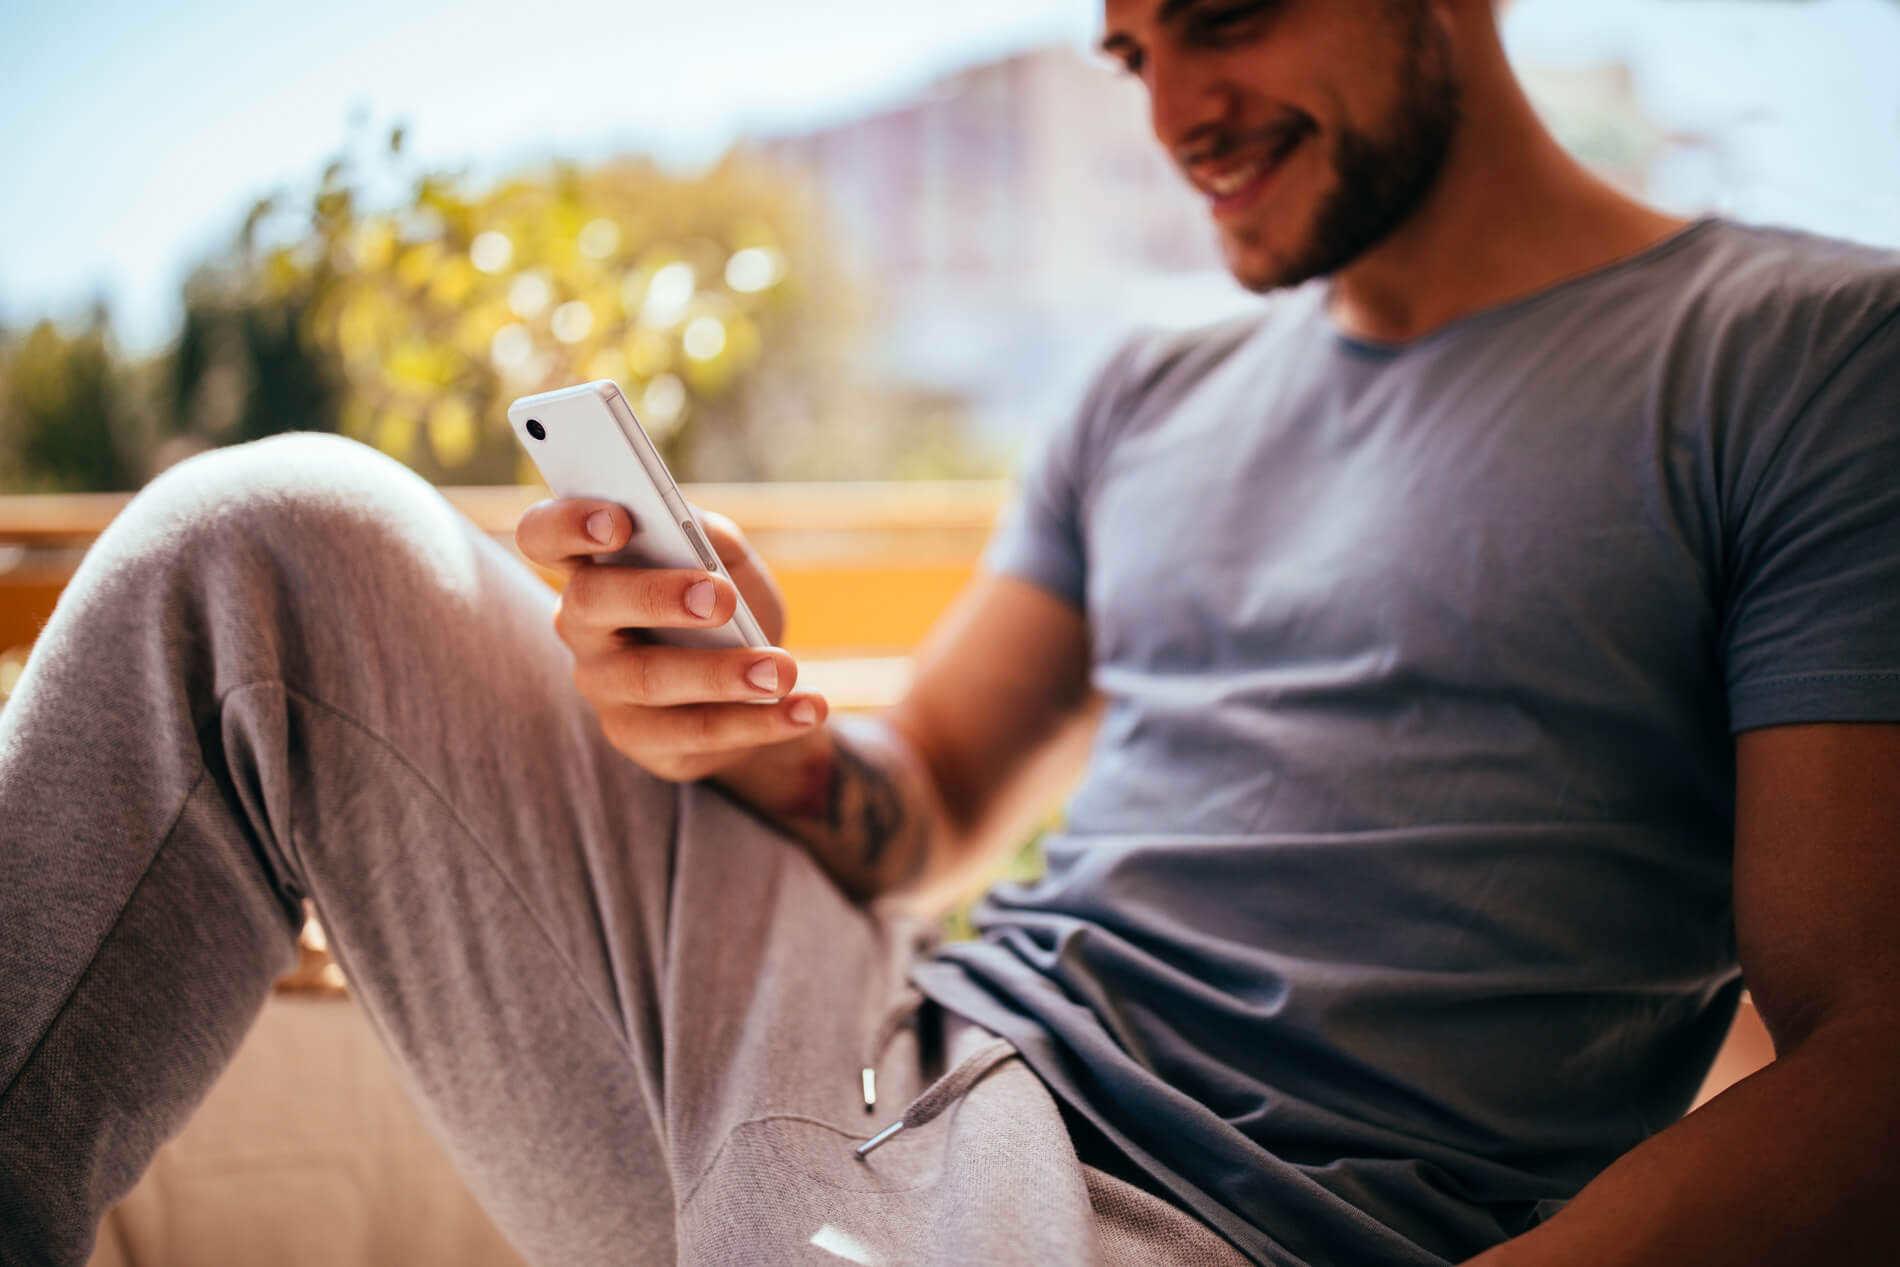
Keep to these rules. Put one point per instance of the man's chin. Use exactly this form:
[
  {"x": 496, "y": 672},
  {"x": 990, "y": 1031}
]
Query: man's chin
[{"x": 1259, "y": 268}]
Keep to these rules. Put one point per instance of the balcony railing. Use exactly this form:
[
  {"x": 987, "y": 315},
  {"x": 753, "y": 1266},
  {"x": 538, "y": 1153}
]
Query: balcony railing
[{"x": 866, "y": 568}]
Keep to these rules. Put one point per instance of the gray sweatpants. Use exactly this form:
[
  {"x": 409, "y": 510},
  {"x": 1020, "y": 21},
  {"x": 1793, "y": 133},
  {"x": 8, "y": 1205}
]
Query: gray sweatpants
[{"x": 635, "y": 1016}]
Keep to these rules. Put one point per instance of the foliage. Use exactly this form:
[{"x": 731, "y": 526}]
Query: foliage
[
  {"x": 406, "y": 308},
  {"x": 66, "y": 418},
  {"x": 689, "y": 290}
]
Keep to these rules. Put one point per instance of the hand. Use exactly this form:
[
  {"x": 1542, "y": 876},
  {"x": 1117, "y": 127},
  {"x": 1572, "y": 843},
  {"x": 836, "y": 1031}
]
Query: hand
[{"x": 680, "y": 713}]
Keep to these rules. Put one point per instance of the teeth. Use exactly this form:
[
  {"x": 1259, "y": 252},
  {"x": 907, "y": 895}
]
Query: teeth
[
  {"x": 1228, "y": 183},
  {"x": 1225, "y": 183}
]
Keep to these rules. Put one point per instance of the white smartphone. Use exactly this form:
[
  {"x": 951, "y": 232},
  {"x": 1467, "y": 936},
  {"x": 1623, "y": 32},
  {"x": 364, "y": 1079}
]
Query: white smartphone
[{"x": 586, "y": 443}]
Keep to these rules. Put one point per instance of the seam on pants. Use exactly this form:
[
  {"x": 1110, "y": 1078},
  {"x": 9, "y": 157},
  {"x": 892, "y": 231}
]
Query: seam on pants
[
  {"x": 846, "y": 1141},
  {"x": 92, "y": 957},
  {"x": 487, "y": 854}
]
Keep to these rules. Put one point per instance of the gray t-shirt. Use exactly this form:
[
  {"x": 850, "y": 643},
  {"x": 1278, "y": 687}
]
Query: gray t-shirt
[{"x": 1395, "y": 902}]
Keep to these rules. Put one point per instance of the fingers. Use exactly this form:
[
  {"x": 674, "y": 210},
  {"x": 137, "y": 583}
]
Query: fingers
[
  {"x": 660, "y": 677},
  {"x": 684, "y": 741},
  {"x": 599, "y": 600},
  {"x": 563, "y": 533},
  {"x": 680, "y": 712},
  {"x": 726, "y": 539},
  {"x": 748, "y": 572}
]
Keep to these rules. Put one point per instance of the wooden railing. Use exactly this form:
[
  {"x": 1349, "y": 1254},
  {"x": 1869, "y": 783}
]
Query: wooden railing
[{"x": 866, "y": 568}]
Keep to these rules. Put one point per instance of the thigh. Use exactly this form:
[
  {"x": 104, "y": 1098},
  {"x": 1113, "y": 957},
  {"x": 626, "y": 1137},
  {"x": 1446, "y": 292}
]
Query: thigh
[
  {"x": 780, "y": 994},
  {"x": 990, "y": 1181}
]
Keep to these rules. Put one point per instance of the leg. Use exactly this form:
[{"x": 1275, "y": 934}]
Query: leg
[{"x": 291, "y": 670}]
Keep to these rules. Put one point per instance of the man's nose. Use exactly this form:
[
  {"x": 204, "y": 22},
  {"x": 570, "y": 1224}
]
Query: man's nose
[{"x": 1187, "y": 102}]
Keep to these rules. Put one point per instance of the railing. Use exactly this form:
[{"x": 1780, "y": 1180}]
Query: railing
[{"x": 866, "y": 568}]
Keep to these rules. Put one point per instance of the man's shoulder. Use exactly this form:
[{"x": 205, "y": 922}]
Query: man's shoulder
[
  {"x": 1764, "y": 255},
  {"x": 1800, "y": 291}
]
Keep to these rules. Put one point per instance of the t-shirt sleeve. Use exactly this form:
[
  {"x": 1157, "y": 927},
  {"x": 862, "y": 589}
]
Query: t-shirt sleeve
[
  {"x": 1812, "y": 630},
  {"x": 1040, "y": 538}
]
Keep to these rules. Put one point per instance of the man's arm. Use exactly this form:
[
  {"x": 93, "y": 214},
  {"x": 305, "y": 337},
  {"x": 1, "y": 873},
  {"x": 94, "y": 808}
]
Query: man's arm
[
  {"x": 922, "y": 798},
  {"x": 1797, "y": 1164}
]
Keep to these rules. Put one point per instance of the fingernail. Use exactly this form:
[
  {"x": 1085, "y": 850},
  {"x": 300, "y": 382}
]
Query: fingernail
[
  {"x": 763, "y": 675},
  {"x": 699, "y": 599},
  {"x": 600, "y": 526},
  {"x": 803, "y": 712}
]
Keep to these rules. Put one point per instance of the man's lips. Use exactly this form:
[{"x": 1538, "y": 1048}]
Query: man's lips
[{"x": 1232, "y": 182}]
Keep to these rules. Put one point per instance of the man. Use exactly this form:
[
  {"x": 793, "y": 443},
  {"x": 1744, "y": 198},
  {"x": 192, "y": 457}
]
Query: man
[{"x": 1493, "y": 645}]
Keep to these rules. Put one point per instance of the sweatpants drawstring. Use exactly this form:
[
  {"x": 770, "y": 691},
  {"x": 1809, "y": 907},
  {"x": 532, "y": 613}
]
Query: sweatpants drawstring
[
  {"x": 945, "y": 1091},
  {"x": 898, "y": 1015}
]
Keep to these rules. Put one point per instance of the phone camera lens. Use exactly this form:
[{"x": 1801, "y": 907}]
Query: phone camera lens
[{"x": 536, "y": 430}]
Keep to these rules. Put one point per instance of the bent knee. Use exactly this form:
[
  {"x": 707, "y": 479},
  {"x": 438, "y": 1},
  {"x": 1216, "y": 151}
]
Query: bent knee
[
  {"x": 317, "y": 510},
  {"x": 298, "y": 475}
]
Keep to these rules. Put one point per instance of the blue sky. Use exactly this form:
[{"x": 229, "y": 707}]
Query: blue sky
[{"x": 136, "y": 134}]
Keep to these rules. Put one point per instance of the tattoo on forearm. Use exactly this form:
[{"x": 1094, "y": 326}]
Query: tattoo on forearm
[
  {"x": 865, "y": 797},
  {"x": 855, "y": 801}
]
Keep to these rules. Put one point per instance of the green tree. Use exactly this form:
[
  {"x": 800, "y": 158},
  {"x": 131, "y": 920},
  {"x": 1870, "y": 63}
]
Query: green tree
[
  {"x": 66, "y": 421},
  {"x": 241, "y": 369},
  {"x": 710, "y": 297}
]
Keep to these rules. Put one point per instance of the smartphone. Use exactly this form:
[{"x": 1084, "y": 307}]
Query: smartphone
[{"x": 586, "y": 443}]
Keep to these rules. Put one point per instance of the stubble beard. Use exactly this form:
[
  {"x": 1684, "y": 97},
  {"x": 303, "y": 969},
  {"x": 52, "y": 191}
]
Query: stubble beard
[{"x": 1379, "y": 178}]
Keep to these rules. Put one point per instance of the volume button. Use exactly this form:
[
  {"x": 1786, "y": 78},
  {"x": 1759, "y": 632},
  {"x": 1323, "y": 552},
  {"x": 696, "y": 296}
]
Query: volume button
[{"x": 706, "y": 554}]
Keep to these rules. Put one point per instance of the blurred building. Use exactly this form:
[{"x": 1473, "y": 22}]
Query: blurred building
[
  {"x": 1014, "y": 217},
  {"x": 1031, "y": 176}
]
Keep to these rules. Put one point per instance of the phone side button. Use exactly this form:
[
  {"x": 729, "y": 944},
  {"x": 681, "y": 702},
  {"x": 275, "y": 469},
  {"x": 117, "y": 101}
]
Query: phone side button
[{"x": 706, "y": 554}]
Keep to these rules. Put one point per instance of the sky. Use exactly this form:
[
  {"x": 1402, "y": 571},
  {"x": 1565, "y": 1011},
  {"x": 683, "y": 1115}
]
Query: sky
[{"x": 134, "y": 136}]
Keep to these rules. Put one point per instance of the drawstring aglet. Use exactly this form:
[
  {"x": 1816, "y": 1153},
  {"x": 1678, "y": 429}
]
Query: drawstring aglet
[
  {"x": 944, "y": 1092},
  {"x": 870, "y": 1089},
  {"x": 864, "y": 1149}
]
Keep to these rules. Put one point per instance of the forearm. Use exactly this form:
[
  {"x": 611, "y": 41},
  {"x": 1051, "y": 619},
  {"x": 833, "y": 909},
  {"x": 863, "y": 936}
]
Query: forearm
[
  {"x": 857, "y": 797},
  {"x": 1795, "y": 1165}
]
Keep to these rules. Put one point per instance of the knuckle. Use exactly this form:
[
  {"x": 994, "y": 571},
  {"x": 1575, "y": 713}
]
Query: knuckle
[
  {"x": 658, "y": 593},
  {"x": 532, "y": 535},
  {"x": 640, "y": 676},
  {"x": 678, "y": 768},
  {"x": 613, "y": 724},
  {"x": 580, "y": 589},
  {"x": 669, "y": 764},
  {"x": 594, "y": 679},
  {"x": 564, "y": 625}
]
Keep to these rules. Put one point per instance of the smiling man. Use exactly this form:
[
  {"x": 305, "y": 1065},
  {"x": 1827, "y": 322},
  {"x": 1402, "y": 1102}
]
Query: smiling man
[{"x": 1490, "y": 652}]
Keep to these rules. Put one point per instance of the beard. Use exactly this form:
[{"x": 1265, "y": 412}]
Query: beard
[{"x": 1380, "y": 178}]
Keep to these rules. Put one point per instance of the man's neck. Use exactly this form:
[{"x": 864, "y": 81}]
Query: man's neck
[{"x": 1512, "y": 215}]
